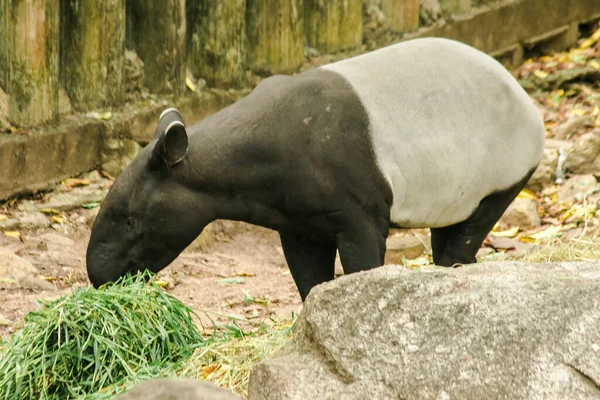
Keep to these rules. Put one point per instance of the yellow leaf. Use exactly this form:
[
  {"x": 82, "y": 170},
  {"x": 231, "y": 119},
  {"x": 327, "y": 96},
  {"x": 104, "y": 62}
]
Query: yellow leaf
[
  {"x": 208, "y": 369},
  {"x": 596, "y": 111},
  {"x": 57, "y": 219},
  {"x": 526, "y": 194},
  {"x": 243, "y": 273},
  {"x": 14, "y": 234},
  {"x": 540, "y": 74},
  {"x": 579, "y": 111},
  {"x": 595, "y": 64},
  {"x": 73, "y": 182},
  {"x": 590, "y": 41},
  {"x": 2, "y": 217},
  {"x": 510, "y": 233},
  {"x": 49, "y": 211},
  {"x": 546, "y": 233},
  {"x": 161, "y": 283},
  {"x": 190, "y": 84}
]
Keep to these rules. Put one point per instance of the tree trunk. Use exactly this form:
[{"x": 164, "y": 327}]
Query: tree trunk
[
  {"x": 333, "y": 25},
  {"x": 158, "y": 35},
  {"x": 217, "y": 45},
  {"x": 402, "y": 15},
  {"x": 32, "y": 80},
  {"x": 92, "y": 52},
  {"x": 275, "y": 32}
]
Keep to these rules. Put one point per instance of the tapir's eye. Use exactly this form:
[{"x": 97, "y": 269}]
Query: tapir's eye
[{"x": 130, "y": 224}]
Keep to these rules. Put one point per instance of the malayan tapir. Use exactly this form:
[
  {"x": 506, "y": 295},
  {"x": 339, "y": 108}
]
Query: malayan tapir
[{"x": 425, "y": 133}]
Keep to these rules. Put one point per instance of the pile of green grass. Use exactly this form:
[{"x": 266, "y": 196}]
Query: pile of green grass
[{"x": 98, "y": 342}]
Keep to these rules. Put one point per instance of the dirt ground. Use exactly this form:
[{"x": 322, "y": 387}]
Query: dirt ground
[{"x": 242, "y": 251}]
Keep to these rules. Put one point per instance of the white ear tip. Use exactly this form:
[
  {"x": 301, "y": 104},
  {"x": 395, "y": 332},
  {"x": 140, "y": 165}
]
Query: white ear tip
[
  {"x": 168, "y": 110},
  {"x": 172, "y": 124}
]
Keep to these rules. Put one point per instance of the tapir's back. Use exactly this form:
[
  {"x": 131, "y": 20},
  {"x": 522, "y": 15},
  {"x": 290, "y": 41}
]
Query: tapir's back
[{"x": 449, "y": 125}]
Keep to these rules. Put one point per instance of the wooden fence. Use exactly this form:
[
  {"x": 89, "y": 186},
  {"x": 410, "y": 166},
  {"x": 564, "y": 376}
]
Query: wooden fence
[{"x": 80, "y": 45}]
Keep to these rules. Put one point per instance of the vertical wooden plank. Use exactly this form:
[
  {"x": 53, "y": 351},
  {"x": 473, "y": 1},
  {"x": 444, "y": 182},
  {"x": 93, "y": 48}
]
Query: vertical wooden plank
[
  {"x": 401, "y": 15},
  {"x": 275, "y": 32},
  {"x": 158, "y": 35},
  {"x": 217, "y": 48},
  {"x": 333, "y": 25},
  {"x": 33, "y": 73},
  {"x": 92, "y": 52}
]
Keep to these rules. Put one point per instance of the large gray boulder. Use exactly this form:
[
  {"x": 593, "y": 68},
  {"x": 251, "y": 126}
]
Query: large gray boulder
[
  {"x": 177, "y": 389},
  {"x": 486, "y": 331}
]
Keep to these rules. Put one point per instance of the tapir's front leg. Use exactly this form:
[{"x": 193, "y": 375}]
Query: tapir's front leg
[
  {"x": 310, "y": 262},
  {"x": 362, "y": 244}
]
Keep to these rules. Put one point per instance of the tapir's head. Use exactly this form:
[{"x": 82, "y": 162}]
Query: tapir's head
[{"x": 149, "y": 215}]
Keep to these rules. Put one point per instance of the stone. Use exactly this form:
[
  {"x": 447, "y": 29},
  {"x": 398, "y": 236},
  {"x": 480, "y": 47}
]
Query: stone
[
  {"x": 37, "y": 284},
  {"x": 14, "y": 267},
  {"x": 134, "y": 74},
  {"x": 25, "y": 220},
  {"x": 522, "y": 213},
  {"x": 4, "y": 124},
  {"x": 581, "y": 156},
  {"x": 397, "y": 247},
  {"x": 177, "y": 389},
  {"x": 492, "y": 330},
  {"x": 5, "y": 321},
  {"x": 118, "y": 154},
  {"x": 57, "y": 239},
  {"x": 572, "y": 126},
  {"x": 578, "y": 186},
  {"x": 64, "y": 103},
  {"x": 545, "y": 173},
  {"x": 429, "y": 12},
  {"x": 66, "y": 201}
]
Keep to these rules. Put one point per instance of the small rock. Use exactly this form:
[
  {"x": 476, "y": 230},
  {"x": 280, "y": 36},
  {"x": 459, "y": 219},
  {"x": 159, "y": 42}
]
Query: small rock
[
  {"x": 4, "y": 321},
  {"x": 56, "y": 239},
  {"x": 64, "y": 103},
  {"x": 339, "y": 269},
  {"x": 572, "y": 126},
  {"x": 522, "y": 213},
  {"x": 35, "y": 283},
  {"x": 503, "y": 243},
  {"x": 409, "y": 247},
  {"x": 485, "y": 251},
  {"x": 545, "y": 173},
  {"x": 4, "y": 124},
  {"x": 576, "y": 187},
  {"x": 25, "y": 220},
  {"x": 66, "y": 201},
  {"x": 14, "y": 267},
  {"x": 177, "y": 389},
  {"x": 581, "y": 156}
]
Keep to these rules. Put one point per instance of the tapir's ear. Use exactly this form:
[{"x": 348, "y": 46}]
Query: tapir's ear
[
  {"x": 171, "y": 146},
  {"x": 166, "y": 118}
]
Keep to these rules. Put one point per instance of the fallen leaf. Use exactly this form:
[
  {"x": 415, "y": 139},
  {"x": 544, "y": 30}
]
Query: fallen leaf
[
  {"x": 243, "y": 273},
  {"x": 510, "y": 233},
  {"x": 231, "y": 281},
  {"x": 47, "y": 278},
  {"x": 104, "y": 116},
  {"x": 107, "y": 175},
  {"x": 540, "y": 74},
  {"x": 526, "y": 194},
  {"x": 7, "y": 280},
  {"x": 90, "y": 205},
  {"x": 579, "y": 111},
  {"x": 2, "y": 217},
  {"x": 13, "y": 234},
  {"x": 208, "y": 369},
  {"x": 546, "y": 233},
  {"x": 190, "y": 84},
  {"x": 58, "y": 219},
  {"x": 161, "y": 283},
  {"x": 52, "y": 211},
  {"x": 74, "y": 182},
  {"x": 595, "y": 64}
]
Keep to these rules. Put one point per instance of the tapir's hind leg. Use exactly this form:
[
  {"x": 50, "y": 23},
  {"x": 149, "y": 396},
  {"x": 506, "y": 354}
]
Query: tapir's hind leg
[
  {"x": 310, "y": 262},
  {"x": 458, "y": 244}
]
